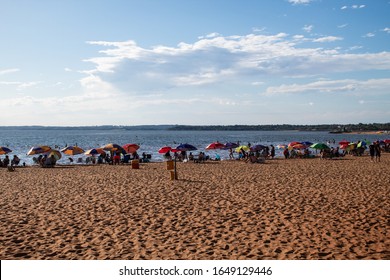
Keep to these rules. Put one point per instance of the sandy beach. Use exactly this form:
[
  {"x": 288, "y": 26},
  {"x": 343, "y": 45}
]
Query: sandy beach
[{"x": 283, "y": 209}]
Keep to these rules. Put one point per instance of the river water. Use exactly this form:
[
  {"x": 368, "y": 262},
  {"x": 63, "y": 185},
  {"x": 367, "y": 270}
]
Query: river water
[{"x": 20, "y": 140}]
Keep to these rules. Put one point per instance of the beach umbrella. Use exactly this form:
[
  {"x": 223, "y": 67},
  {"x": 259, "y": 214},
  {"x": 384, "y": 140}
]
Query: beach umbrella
[
  {"x": 186, "y": 147},
  {"x": 130, "y": 148},
  {"x": 307, "y": 143},
  {"x": 245, "y": 148},
  {"x": 38, "y": 150},
  {"x": 281, "y": 146},
  {"x": 4, "y": 150},
  {"x": 257, "y": 147},
  {"x": 320, "y": 146},
  {"x": 93, "y": 152},
  {"x": 231, "y": 145},
  {"x": 363, "y": 144},
  {"x": 113, "y": 148},
  {"x": 164, "y": 150},
  {"x": 72, "y": 150},
  {"x": 293, "y": 143},
  {"x": 298, "y": 146},
  {"x": 344, "y": 146},
  {"x": 57, "y": 154},
  {"x": 215, "y": 145},
  {"x": 387, "y": 141},
  {"x": 344, "y": 142}
]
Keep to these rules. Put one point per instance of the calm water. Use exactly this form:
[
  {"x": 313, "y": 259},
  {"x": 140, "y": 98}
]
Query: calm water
[{"x": 21, "y": 140}]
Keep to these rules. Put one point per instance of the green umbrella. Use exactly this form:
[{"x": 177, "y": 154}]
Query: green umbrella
[{"x": 320, "y": 146}]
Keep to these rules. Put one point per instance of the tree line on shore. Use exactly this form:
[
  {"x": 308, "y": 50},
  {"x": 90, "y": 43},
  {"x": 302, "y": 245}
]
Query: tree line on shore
[{"x": 336, "y": 128}]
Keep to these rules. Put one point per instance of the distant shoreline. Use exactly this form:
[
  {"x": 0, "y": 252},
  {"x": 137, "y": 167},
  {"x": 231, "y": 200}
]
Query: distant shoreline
[
  {"x": 368, "y": 132},
  {"x": 371, "y": 128}
]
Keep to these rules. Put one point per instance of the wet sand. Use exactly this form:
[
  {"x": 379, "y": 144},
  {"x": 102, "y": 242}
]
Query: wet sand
[{"x": 283, "y": 209}]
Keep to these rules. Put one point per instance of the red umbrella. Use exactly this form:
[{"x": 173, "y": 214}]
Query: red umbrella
[
  {"x": 387, "y": 141},
  {"x": 215, "y": 145},
  {"x": 130, "y": 148},
  {"x": 299, "y": 146},
  {"x": 344, "y": 146},
  {"x": 164, "y": 150},
  {"x": 344, "y": 142},
  {"x": 293, "y": 144}
]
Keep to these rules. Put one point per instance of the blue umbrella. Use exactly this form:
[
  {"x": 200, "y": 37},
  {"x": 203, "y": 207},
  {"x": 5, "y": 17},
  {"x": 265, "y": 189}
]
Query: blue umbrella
[
  {"x": 258, "y": 148},
  {"x": 231, "y": 145},
  {"x": 186, "y": 147},
  {"x": 307, "y": 143},
  {"x": 362, "y": 144}
]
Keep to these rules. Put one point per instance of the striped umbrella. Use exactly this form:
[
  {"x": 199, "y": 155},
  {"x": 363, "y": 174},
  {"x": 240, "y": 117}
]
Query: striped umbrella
[
  {"x": 57, "y": 155},
  {"x": 113, "y": 148},
  {"x": 38, "y": 150},
  {"x": 4, "y": 150},
  {"x": 93, "y": 152},
  {"x": 72, "y": 150}
]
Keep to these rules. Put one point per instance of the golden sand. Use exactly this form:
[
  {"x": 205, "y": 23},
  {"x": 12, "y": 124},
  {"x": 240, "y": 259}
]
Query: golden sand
[{"x": 283, "y": 209}]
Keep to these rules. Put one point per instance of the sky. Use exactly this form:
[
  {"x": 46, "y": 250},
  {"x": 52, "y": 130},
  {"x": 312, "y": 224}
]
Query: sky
[{"x": 194, "y": 62}]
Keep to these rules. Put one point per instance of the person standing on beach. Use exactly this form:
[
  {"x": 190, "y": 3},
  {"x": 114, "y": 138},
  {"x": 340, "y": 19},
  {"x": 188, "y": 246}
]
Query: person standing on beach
[
  {"x": 272, "y": 151},
  {"x": 231, "y": 156},
  {"x": 377, "y": 149},
  {"x": 371, "y": 148},
  {"x": 286, "y": 153}
]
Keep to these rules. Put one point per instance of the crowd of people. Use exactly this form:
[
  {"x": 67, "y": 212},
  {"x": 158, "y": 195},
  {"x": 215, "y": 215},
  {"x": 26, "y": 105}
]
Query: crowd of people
[
  {"x": 6, "y": 161},
  {"x": 245, "y": 153}
]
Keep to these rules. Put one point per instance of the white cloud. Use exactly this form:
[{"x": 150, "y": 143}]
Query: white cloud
[
  {"x": 257, "y": 29},
  {"x": 327, "y": 39},
  {"x": 332, "y": 86},
  {"x": 308, "y": 28},
  {"x": 257, "y": 83},
  {"x": 7, "y": 71},
  {"x": 355, "y": 6},
  {"x": 342, "y": 25},
  {"x": 129, "y": 68},
  {"x": 298, "y": 2},
  {"x": 358, "y": 6},
  {"x": 25, "y": 85},
  {"x": 369, "y": 35},
  {"x": 386, "y": 30}
]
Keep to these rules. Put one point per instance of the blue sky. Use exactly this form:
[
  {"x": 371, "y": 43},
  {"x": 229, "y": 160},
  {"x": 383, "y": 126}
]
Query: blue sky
[{"x": 200, "y": 62}]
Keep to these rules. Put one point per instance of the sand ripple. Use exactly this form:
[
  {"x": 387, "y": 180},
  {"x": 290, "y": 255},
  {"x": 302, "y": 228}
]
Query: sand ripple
[{"x": 294, "y": 209}]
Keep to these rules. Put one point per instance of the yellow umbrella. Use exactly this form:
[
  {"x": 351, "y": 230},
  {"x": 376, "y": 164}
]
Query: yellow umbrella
[{"x": 245, "y": 148}]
